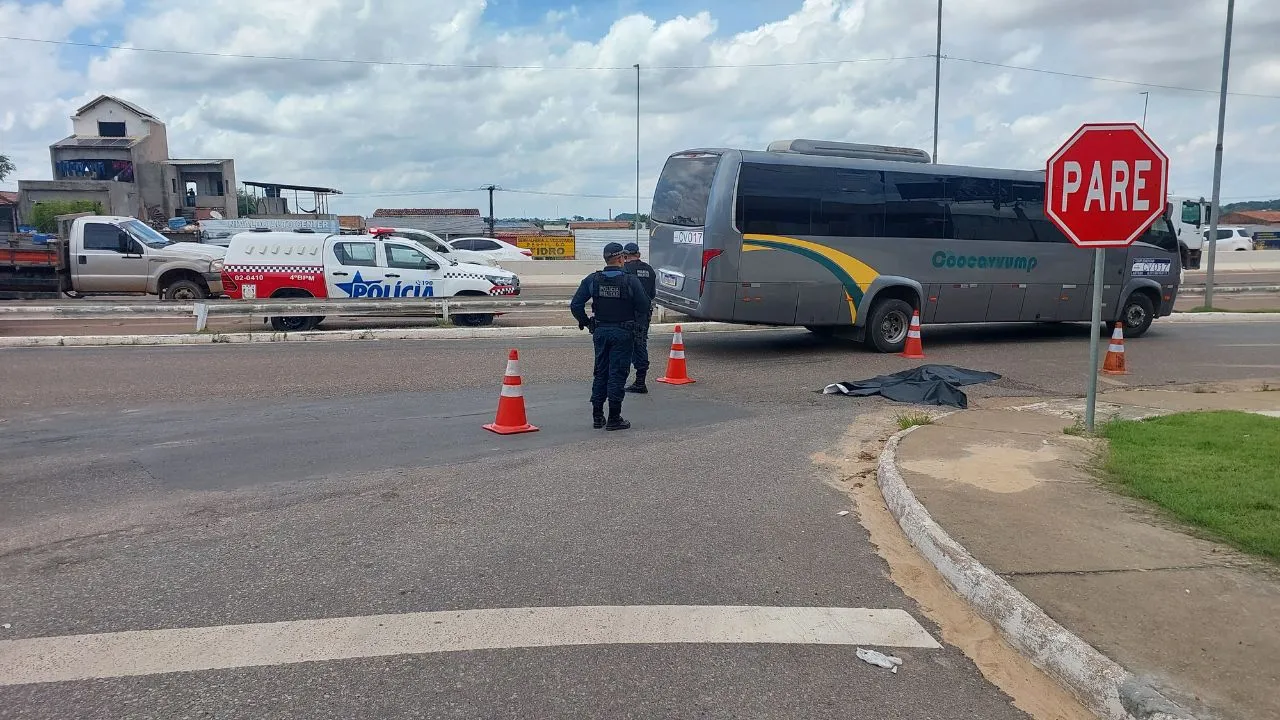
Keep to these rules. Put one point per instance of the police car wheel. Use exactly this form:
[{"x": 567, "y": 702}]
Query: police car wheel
[
  {"x": 473, "y": 320},
  {"x": 1137, "y": 315},
  {"x": 294, "y": 324}
]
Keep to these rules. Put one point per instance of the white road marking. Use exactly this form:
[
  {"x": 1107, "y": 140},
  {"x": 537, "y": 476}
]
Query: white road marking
[
  {"x": 150, "y": 652},
  {"x": 1268, "y": 413}
]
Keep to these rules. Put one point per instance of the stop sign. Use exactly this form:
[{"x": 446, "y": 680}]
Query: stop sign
[{"x": 1106, "y": 185}]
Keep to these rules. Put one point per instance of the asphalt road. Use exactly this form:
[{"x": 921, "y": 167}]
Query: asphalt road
[
  {"x": 152, "y": 488},
  {"x": 139, "y": 326}
]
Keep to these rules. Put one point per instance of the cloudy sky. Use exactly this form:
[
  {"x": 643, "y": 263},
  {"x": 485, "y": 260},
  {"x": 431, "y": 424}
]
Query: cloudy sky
[{"x": 396, "y": 98}]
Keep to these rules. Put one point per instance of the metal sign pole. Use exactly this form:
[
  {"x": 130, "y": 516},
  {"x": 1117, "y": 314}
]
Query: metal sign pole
[{"x": 1091, "y": 399}]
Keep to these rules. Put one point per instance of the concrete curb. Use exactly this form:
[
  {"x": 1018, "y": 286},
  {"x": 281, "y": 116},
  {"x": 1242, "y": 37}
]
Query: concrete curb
[
  {"x": 241, "y": 338},
  {"x": 1229, "y": 290},
  {"x": 1204, "y": 317},
  {"x": 1105, "y": 688}
]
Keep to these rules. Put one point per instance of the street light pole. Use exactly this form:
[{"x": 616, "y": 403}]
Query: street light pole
[
  {"x": 937, "y": 82},
  {"x": 1146, "y": 98},
  {"x": 637, "y": 218},
  {"x": 1214, "y": 212}
]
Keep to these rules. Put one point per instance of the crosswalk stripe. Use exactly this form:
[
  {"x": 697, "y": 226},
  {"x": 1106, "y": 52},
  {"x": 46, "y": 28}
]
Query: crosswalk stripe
[{"x": 150, "y": 652}]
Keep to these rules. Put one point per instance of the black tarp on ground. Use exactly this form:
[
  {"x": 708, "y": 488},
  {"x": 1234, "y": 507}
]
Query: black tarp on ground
[{"x": 924, "y": 385}]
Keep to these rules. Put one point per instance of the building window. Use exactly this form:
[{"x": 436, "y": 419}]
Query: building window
[
  {"x": 117, "y": 170},
  {"x": 111, "y": 129}
]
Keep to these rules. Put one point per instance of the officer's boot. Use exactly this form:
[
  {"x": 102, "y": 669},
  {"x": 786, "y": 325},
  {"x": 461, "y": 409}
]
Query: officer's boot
[
  {"x": 616, "y": 422},
  {"x": 638, "y": 386},
  {"x": 597, "y": 415}
]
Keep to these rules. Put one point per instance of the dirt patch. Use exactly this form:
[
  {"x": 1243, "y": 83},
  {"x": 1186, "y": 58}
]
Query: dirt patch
[
  {"x": 853, "y": 468},
  {"x": 997, "y": 469}
]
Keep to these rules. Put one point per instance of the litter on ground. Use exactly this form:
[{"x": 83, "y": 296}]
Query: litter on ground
[{"x": 879, "y": 659}]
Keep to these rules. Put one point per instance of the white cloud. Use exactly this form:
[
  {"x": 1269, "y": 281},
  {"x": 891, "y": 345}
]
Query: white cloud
[{"x": 368, "y": 128}]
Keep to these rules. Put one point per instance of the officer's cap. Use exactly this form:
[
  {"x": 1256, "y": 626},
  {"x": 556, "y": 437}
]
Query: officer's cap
[
  {"x": 613, "y": 250},
  {"x": 632, "y": 248}
]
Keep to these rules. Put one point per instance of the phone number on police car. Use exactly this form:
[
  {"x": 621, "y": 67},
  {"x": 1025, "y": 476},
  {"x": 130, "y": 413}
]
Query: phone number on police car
[{"x": 251, "y": 278}]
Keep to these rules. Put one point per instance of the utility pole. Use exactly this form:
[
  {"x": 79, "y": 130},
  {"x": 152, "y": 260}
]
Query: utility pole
[
  {"x": 636, "y": 224},
  {"x": 1214, "y": 210},
  {"x": 491, "y": 188},
  {"x": 937, "y": 82},
  {"x": 1146, "y": 98}
]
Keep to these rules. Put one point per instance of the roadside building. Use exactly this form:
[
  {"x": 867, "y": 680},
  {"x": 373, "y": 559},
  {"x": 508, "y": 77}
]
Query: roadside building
[
  {"x": 600, "y": 225},
  {"x": 118, "y": 155},
  {"x": 1263, "y": 225},
  {"x": 8, "y": 211},
  {"x": 447, "y": 223},
  {"x": 1251, "y": 218}
]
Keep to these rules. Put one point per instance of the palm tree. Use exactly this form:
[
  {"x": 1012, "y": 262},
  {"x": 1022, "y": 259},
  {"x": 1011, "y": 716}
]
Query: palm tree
[{"x": 7, "y": 167}]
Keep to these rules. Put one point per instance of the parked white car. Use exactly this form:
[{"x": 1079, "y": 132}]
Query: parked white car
[
  {"x": 433, "y": 242},
  {"x": 1232, "y": 238},
  {"x": 497, "y": 250}
]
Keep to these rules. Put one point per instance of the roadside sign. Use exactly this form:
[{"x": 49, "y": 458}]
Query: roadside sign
[
  {"x": 1106, "y": 185},
  {"x": 549, "y": 247},
  {"x": 1103, "y": 189}
]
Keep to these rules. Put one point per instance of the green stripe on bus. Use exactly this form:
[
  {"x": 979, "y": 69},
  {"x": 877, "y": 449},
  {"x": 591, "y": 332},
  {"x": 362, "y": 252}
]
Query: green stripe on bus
[{"x": 850, "y": 286}]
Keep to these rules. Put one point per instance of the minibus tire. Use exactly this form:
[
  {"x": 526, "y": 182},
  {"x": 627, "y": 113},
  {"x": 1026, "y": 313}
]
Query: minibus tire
[
  {"x": 894, "y": 313},
  {"x": 1139, "y": 307}
]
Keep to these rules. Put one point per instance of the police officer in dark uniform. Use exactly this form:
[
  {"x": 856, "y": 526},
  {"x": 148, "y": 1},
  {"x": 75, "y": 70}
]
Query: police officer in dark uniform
[
  {"x": 647, "y": 277},
  {"x": 619, "y": 303}
]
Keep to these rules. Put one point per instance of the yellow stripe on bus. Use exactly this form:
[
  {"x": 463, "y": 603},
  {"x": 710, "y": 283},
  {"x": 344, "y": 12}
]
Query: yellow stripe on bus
[{"x": 859, "y": 272}]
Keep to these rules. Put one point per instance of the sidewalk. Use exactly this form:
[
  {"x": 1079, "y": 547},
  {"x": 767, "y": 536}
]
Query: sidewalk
[{"x": 1193, "y": 619}]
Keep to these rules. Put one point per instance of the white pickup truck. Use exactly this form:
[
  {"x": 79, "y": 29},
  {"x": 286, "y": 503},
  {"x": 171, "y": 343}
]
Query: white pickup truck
[{"x": 104, "y": 254}]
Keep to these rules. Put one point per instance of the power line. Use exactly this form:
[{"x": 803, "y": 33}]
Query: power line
[
  {"x": 485, "y": 188},
  {"x": 397, "y": 193},
  {"x": 1246, "y": 198},
  {"x": 707, "y": 66},
  {"x": 461, "y": 66},
  {"x": 571, "y": 195},
  {"x": 1119, "y": 81}
]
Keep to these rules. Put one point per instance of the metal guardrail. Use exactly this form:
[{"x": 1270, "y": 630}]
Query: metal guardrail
[{"x": 441, "y": 308}]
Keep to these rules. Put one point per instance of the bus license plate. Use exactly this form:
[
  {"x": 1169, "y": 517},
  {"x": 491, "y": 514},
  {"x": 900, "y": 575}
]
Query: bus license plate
[
  {"x": 670, "y": 279},
  {"x": 687, "y": 237}
]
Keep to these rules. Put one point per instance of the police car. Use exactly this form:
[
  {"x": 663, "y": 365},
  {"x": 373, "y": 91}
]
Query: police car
[{"x": 305, "y": 264}]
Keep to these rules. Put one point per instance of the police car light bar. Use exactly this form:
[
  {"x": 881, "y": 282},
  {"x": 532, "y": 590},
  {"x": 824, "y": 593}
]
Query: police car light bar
[{"x": 381, "y": 231}]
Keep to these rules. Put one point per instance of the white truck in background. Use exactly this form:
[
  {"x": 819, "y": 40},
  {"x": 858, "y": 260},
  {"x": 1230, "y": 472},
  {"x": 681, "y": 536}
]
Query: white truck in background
[{"x": 1190, "y": 218}]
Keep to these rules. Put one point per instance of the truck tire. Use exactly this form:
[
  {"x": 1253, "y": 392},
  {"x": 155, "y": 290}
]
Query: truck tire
[
  {"x": 1137, "y": 315},
  {"x": 888, "y": 325},
  {"x": 184, "y": 290}
]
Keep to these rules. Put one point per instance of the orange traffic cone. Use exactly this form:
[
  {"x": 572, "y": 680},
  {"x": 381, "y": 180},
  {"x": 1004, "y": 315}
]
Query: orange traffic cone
[
  {"x": 914, "y": 350},
  {"x": 511, "y": 419},
  {"x": 1114, "y": 362},
  {"x": 676, "y": 372}
]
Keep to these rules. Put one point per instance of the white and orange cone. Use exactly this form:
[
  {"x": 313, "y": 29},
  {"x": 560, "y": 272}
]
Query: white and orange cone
[
  {"x": 677, "y": 374},
  {"x": 914, "y": 349},
  {"x": 511, "y": 418},
  {"x": 1113, "y": 364}
]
